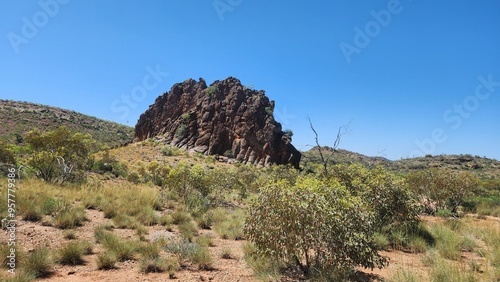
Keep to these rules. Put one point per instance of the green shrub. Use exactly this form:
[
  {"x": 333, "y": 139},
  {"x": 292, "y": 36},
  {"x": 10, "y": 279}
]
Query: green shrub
[
  {"x": 288, "y": 222},
  {"x": 167, "y": 151},
  {"x": 182, "y": 249}
]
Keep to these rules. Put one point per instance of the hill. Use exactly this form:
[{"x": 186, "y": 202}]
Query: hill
[
  {"x": 481, "y": 166},
  {"x": 20, "y": 117}
]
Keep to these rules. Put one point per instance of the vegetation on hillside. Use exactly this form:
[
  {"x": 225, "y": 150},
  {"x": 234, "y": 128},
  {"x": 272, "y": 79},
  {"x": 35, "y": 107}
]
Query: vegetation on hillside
[
  {"x": 298, "y": 224},
  {"x": 20, "y": 117}
]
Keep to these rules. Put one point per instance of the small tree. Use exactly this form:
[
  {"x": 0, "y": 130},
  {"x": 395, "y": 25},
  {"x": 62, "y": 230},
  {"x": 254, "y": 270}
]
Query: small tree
[
  {"x": 314, "y": 226},
  {"x": 6, "y": 157},
  {"x": 446, "y": 188},
  {"x": 59, "y": 155}
]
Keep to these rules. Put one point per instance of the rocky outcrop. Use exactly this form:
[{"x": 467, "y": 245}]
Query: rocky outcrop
[{"x": 226, "y": 118}]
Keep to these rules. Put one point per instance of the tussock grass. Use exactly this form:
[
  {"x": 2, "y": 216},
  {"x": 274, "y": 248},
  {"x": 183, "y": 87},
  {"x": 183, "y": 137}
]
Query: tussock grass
[
  {"x": 72, "y": 253},
  {"x": 188, "y": 230},
  {"x": 264, "y": 268},
  {"x": 180, "y": 216},
  {"x": 226, "y": 253},
  {"x": 448, "y": 243},
  {"x": 22, "y": 276},
  {"x": 123, "y": 249},
  {"x": 107, "y": 260},
  {"x": 446, "y": 271},
  {"x": 69, "y": 218},
  {"x": 39, "y": 263},
  {"x": 123, "y": 221},
  {"x": 404, "y": 275},
  {"x": 231, "y": 226},
  {"x": 205, "y": 240}
]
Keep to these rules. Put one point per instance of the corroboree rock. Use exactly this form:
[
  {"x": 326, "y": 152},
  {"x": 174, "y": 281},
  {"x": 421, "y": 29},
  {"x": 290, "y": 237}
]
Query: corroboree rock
[{"x": 226, "y": 118}]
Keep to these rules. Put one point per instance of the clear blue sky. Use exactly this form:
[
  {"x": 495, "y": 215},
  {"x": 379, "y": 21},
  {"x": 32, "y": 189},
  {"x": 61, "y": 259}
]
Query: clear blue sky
[{"x": 415, "y": 77}]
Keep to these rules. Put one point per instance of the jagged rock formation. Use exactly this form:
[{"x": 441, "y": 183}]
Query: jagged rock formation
[{"x": 226, "y": 118}]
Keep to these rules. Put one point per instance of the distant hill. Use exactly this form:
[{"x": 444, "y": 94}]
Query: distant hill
[
  {"x": 481, "y": 166},
  {"x": 17, "y": 118}
]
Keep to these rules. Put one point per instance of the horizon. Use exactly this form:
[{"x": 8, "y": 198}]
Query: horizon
[{"x": 415, "y": 78}]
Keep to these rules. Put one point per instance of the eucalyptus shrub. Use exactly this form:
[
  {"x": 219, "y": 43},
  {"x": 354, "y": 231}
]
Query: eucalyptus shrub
[{"x": 313, "y": 225}]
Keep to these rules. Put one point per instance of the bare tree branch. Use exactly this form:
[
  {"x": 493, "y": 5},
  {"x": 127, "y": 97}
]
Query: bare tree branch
[{"x": 343, "y": 130}]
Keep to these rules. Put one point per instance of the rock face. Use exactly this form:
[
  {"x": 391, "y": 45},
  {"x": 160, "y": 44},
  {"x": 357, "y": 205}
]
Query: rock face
[{"x": 226, "y": 118}]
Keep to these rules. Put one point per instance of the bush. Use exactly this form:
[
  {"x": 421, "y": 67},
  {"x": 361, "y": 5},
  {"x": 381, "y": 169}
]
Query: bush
[
  {"x": 70, "y": 218},
  {"x": 59, "y": 155},
  {"x": 188, "y": 230},
  {"x": 313, "y": 226},
  {"x": 167, "y": 151},
  {"x": 123, "y": 221},
  {"x": 39, "y": 262},
  {"x": 106, "y": 260},
  {"x": 71, "y": 254}
]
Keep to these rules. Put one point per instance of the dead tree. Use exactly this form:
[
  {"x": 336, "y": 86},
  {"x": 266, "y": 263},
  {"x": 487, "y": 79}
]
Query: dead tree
[{"x": 343, "y": 130}]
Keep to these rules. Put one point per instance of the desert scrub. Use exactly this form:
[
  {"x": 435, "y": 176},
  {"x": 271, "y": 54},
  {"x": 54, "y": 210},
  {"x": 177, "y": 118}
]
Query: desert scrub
[
  {"x": 226, "y": 253},
  {"x": 141, "y": 231},
  {"x": 447, "y": 241},
  {"x": 69, "y": 235},
  {"x": 69, "y": 218},
  {"x": 190, "y": 252},
  {"x": 205, "y": 240},
  {"x": 124, "y": 250},
  {"x": 188, "y": 230},
  {"x": 264, "y": 268},
  {"x": 106, "y": 261},
  {"x": 231, "y": 227},
  {"x": 39, "y": 262},
  {"x": 72, "y": 253},
  {"x": 123, "y": 221},
  {"x": 404, "y": 275},
  {"x": 444, "y": 270},
  {"x": 180, "y": 216}
]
